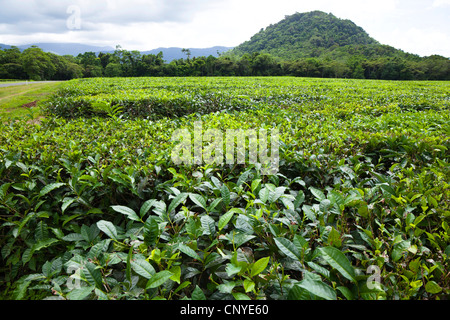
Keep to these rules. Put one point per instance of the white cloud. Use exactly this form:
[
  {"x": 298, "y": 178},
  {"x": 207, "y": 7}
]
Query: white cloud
[
  {"x": 441, "y": 3},
  {"x": 419, "y": 41}
]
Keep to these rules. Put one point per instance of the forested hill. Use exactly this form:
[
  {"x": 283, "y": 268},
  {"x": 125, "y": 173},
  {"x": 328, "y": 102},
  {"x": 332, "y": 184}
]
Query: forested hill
[
  {"x": 317, "y": 44},
  {"x": 310, "y": 34}
]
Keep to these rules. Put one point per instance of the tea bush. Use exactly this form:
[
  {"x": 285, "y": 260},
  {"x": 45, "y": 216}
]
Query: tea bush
[{"x": 93, "y": 207}]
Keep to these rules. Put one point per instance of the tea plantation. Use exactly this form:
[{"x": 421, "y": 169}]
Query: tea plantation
[{"x": 92, "y": 206}]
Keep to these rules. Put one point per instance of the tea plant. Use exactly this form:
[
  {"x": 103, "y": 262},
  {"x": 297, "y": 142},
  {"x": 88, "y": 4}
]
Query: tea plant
[{"x": 93, "y": 207}]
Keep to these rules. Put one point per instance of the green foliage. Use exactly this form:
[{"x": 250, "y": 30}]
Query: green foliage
[{"x": 92, "y": 206}]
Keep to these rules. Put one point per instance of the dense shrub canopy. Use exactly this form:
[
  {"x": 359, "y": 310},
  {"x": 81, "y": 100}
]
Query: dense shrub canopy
[{"x": 93, "y": 207}]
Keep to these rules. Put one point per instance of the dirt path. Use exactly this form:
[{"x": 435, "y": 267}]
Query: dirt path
[
  {"x": 34, "y": 86},
  {"x": 9, "y": 84}
]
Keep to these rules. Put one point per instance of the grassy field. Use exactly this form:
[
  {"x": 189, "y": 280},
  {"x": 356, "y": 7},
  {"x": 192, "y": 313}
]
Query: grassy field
[
  {"x": 93, "y": 205},
  {"x": 21, "y": 101}
]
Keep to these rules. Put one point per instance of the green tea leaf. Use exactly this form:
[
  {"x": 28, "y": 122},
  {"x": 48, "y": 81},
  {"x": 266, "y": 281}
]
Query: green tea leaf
[
  {"x": 143, "y": 268},
  {"x": 66, "y": 203},
  {"x": 146, "y": 207},
  {"x": 127, "y": 211},
  {"x": 151, "y": 231},
  {"x": 318, "y": 194},
  {"x": 44, "y": 244},
  {"x": 240, "y": 296},
  {"x": 108, "y": 228},
  {"x": 346, "y": 292},
  {"x": 80, "y": 293},
  {"x": 239, "y": 238},
  {"x": 276, "y": 194},
  {"x": 232, "y": 269},
  {"x": 27, "y": 255},
  {"x": 259, "y": 266},
  {"x": 335, "y": 258},
  {"x": 177, "y": 201},
  {"x": 223, "y": 221},
  {"x": 73, "y": 237},
  {"x": 324, "y": 205},
  {"x": 214, "y": 204},
  {"x": 399, "y": 249},
  {"x": 176, "y": 274},
  {"x": 288, "y": 248},
  {"x": 182, "y": 286},
  {"x": 255, "y": 184},
  {"x": 21, "y": 290},
  {"x": 208, "y": 225},
  {"x": 334, "y": 238},
  {"x": 158, "y": 279},
  {"x": 188, "y": 251},
  {"x": 225, "y": 194},
  {"x": 93, "y": 275},
  {"x": 299, "y": 199},
  {"x": 198, "y": 294},
  {"x": 248, "y": 285},
  {"x": 318, "y": 288},
  {"x": 243, "y": 178},
  {"x": 198, "y": 200},
  {"x": 226, "y": 287},
  {"x": 50, "y": 187},
  {"x": 128, "y": 267},
  {"x": 432, "y": 287},
  {"x": 4, "y": 189},
  {"x": 264, "y": 194}
]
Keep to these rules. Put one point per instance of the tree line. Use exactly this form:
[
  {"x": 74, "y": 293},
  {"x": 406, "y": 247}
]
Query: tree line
[{"x": 35, "y": 64}]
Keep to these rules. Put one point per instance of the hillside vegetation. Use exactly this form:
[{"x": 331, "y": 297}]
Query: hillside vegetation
[{"x": 306, "y": 35}]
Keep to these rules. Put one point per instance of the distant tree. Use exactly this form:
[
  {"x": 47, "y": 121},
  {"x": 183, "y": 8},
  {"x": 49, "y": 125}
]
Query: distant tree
[
  {"x": 74, "y": 71},
  {"x": 355, "y": 63},
  {"x": 130, "y": 61},
  {"x": 358, "y": 72},
  {"x": 118, "y": 54},
  {"x": 244, "y": 65},
  {"x": 104, "y": 59},
  {"x": 11, "y": 55},
  {"x": 66, "y": 68},
  {"x": 187, "y": 52},
  {"x": 210, "y": 65},
  {"x": 225, "y": 66},
  {"x": 113, "y": 70},
  {"x": 437, "y": 67},
  {"x": 12, "y": 71},
  {"x": 264, "y": 65},
  {"x": 88, "y": 59},
  {"x": 93, "y": 71},
  {"x": 37, "y": 64},
  {"x": 151, "y": 65}
]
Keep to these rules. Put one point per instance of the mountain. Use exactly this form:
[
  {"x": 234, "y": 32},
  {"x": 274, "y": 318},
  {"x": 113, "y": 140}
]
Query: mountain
[
  {"x": 62, "y": 48},
  {"x": 175, "y": 53},
  {"x": 310, "y": 34},
  {"x": 4, "y": 46},
  {"x": 74, "y": 49}
]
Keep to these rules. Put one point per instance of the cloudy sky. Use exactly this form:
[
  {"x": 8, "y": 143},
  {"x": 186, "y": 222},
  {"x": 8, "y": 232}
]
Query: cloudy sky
[{"x": 416, "y": 26}]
